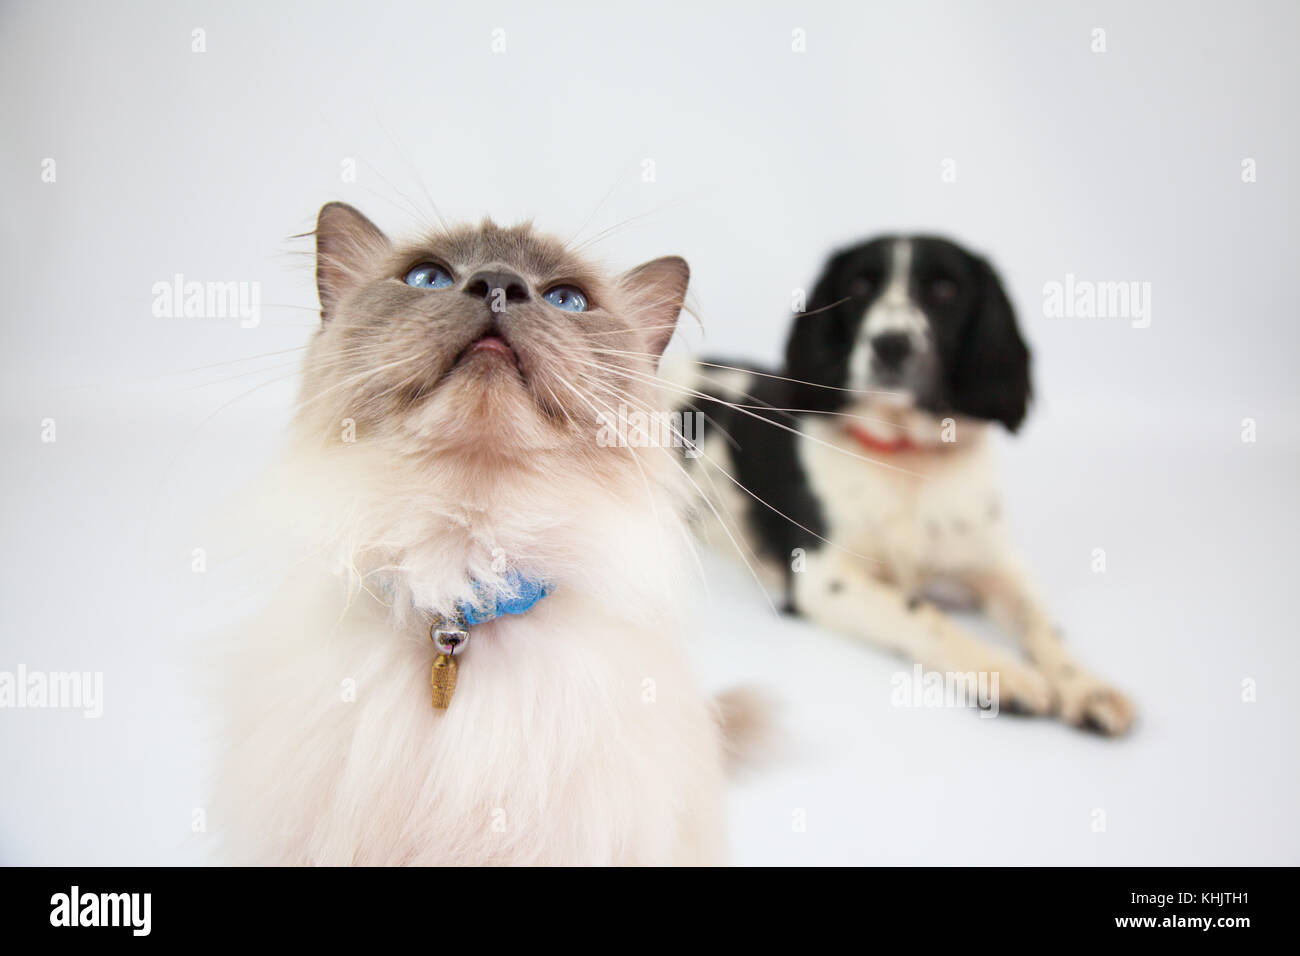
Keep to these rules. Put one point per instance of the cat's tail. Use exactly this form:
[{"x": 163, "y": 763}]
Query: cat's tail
[{"x": 746, "y": 718}]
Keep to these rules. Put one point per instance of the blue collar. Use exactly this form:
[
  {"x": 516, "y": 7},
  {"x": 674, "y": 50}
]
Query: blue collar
[{"x": 518, "y": 596}]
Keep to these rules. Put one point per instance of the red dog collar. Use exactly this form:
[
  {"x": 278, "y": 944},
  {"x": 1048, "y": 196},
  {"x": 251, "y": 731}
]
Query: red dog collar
[{"x": 881, "y": 445}]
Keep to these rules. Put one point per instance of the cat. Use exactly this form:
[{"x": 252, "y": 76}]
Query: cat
[{"x": 443, "y": 460}]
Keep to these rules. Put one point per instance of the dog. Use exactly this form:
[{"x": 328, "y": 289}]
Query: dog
[{"x": 859, "y": 477}]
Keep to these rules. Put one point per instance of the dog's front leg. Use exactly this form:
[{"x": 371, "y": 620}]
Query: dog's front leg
[
  {"x": 1085, "y": 700},
  {"x": 838, "y": 592}
]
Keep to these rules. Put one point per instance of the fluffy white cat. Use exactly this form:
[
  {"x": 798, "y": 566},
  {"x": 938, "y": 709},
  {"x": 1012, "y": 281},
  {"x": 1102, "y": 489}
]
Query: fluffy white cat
[{"x": 445, "y": 453}]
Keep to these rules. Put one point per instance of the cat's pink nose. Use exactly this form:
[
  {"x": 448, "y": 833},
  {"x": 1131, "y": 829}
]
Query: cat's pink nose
[{"x": 497, "y": 286}]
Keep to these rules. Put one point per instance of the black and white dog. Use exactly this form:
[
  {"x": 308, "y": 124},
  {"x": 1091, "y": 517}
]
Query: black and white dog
[{"x": 859, "y": 477}]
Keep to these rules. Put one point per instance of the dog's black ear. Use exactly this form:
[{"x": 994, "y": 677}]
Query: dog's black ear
[
  {"x": 817, "y": 349},
  {"x": 991, "y": 377}
]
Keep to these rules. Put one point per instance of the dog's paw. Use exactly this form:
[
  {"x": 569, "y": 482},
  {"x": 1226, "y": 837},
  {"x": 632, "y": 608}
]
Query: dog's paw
[
  {"x": 1025, "y": 691},
  {"x": 1089, "y": 704}
]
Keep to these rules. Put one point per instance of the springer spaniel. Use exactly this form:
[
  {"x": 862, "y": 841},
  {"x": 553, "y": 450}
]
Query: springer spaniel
[{"x": 860, "y": 475}]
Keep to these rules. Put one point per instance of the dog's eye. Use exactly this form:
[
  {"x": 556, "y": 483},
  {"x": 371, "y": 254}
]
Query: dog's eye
[
  {"x": 567, "y": 297},
  {"x": 942, "y": 290},
  {"x": 429, "y": 275},
  {"x": 861, "y": 286}
]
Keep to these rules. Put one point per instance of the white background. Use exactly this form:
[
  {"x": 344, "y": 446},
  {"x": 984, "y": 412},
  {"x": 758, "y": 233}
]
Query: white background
[{"x": 1122, "y": 165}]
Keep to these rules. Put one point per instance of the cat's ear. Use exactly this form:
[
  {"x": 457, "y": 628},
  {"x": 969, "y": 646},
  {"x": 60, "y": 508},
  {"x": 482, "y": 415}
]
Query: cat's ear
[
  {"x": 347, "y": 245},
  {"x": 657, "y": 290}
]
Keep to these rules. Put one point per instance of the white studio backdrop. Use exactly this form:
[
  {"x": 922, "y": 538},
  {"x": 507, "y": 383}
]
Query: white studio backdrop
[{"x": 143, "y": 141}]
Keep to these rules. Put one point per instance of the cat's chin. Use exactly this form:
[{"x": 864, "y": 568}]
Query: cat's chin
[
  {"x": 484, "y": 406},
  {"x": 488, "y": 355}
]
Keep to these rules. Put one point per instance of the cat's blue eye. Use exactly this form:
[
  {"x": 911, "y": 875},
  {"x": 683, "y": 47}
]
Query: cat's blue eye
[
  {"x": 568, "y": 298},
  {"x": 429, "y": 275}
]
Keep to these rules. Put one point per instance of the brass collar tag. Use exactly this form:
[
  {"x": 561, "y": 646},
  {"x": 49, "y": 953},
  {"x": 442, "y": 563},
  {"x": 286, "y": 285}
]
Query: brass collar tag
[{"x": 449, "y": 638}]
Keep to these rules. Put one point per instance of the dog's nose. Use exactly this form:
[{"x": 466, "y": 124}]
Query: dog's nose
[
  {"x": 891, "y": 349},
  {"x": 486, "y": 283}
]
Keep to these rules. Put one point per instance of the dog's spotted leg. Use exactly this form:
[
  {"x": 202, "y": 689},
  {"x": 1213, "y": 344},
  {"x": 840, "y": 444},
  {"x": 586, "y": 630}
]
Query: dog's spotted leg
[
  {"x": 839, "y": 593},
  {"x": 1085, "y": 700}
]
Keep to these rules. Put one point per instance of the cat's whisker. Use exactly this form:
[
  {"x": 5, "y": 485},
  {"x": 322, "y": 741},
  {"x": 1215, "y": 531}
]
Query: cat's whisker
[
  {"x": 410, "y": 208},
  {"x": 792, "y": 412},
  {"x": 235, "y": 361},
  {"x": 825, "y": 308},
  {"x": 231, "y": 378},
  {"x": 292, "y": 307},
  {"x": 831, "y": 414},
  {"x": 644, "y": 328},
  {"x": 413, "y": 207},
  {"x": 653, "y": 357},
  {"x": 599, "y": 205},
  {"x": 640, "y": 405},
  {"x": 420, "y": 214},
  {"x": 747, "y": 553},
  {"x": 240, "y": 397},
  {"x": 683, "y": 530},
  {"x": 725, "y": 527},
  {"x": 555, "y": 399},
  {"x": 623, "y": 224},
  {"x": 796, "y": 381},
  {"x": 654, "y": 509},
  {"x": 348, "y": 360},
  {"x": 732, "y": 478},
  {"x": 358, "y": 379},
  {"x": 694, "y": 393},
  {"x": 661, "y": 383},
  {"x": 747, "y": 371},
  {"x": 442, "y": 222}
]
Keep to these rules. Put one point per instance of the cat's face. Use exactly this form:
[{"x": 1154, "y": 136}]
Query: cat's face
[{"x": 478, "y": 339}]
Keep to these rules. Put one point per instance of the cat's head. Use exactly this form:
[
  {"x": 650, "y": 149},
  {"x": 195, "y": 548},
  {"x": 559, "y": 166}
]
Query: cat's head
[{"x": 478, "y": 339}]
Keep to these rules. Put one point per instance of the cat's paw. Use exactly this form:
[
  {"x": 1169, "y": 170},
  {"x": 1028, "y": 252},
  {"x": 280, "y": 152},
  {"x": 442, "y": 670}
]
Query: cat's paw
[{"x": 1090, "y": 704}]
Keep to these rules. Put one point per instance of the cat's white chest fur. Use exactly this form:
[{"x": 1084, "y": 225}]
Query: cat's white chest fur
[{"x": 572, "y": 738}]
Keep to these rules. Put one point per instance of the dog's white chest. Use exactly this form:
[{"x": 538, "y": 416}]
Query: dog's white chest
[{"x": 914, "y": 514}]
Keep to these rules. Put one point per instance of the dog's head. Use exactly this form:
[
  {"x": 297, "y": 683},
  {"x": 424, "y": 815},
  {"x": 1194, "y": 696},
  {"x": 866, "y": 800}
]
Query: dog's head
[{"x": 919, "y": 318}]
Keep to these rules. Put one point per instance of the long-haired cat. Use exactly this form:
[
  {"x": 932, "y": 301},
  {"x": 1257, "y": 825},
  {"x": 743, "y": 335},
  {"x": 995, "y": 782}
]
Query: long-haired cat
[{"x": 446, "y": 458}]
